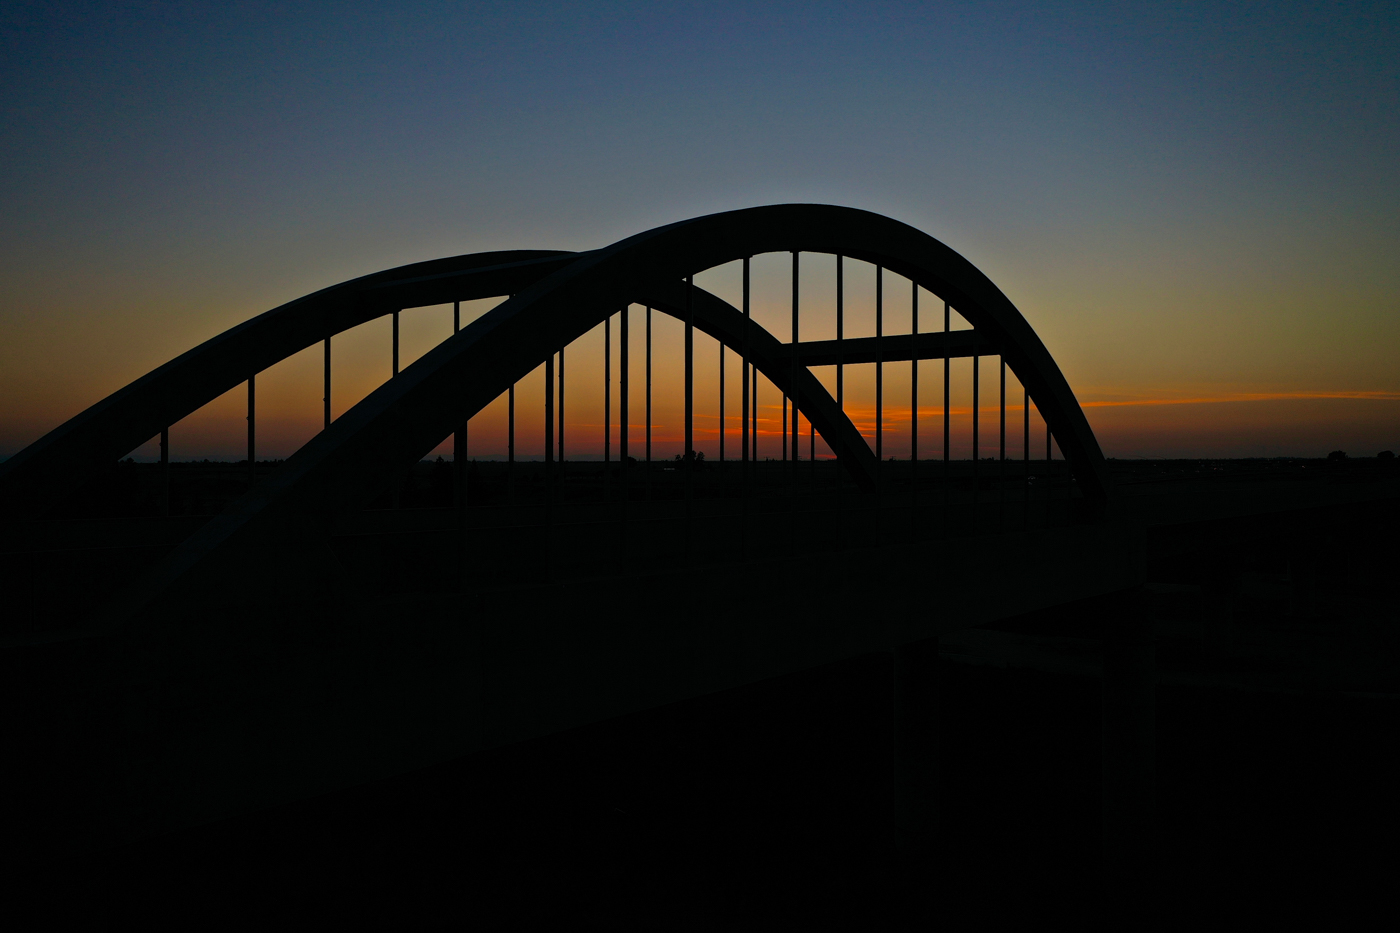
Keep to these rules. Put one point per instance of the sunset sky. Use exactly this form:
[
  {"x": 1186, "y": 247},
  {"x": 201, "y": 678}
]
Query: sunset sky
[{"x": 1196, "y": 206}]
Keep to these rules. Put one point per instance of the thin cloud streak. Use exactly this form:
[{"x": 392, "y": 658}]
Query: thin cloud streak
[{"x": 1378, "y": 396}]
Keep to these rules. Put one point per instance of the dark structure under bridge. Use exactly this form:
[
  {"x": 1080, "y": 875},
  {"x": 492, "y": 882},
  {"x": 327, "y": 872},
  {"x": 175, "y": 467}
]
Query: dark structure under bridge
[{"x": 177, "y": 669}]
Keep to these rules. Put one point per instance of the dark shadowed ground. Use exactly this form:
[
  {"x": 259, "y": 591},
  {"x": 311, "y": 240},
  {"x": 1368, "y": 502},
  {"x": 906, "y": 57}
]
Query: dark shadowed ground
[{"x": 769, "y": 807}]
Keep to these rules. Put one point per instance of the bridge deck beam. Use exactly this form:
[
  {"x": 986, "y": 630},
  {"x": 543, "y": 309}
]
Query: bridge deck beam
[{"x": 276, "y": 694}]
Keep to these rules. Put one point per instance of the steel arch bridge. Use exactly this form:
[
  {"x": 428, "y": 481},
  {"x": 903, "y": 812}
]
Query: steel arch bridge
[
  {"x": 255, "y": 602},
  {"x": 556, "y": 298}
]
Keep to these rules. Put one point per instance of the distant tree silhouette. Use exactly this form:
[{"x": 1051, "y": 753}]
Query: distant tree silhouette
[
  {"x": 1386, "y": 455},
  {"x": 1337, "y": 455}
]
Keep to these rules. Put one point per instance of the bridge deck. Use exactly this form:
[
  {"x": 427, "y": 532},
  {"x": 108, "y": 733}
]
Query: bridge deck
[
  {"x": 267, "y": 693},
  {"x": 263, "y": 696}
]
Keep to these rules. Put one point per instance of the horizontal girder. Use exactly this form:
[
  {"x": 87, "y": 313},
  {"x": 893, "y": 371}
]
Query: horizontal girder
[{"x": 892, "y": 349}]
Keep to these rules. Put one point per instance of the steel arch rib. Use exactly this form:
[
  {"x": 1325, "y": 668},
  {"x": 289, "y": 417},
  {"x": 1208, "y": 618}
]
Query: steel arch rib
[
  {"x": 404, "y": 418},
  {"x": 559, "y": 296},
  {"x": 314, "y": 485},
  {"x": 34, "y": 478}
]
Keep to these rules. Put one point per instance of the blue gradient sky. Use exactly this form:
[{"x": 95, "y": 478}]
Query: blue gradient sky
[{"x": 1191, "y": 203}]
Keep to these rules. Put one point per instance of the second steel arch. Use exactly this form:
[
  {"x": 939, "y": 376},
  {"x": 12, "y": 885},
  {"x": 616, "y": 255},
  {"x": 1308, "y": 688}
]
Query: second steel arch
[{"x": 403, "y": 419}]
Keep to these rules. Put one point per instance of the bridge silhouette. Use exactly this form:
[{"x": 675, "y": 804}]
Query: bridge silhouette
[{"x": 299, "y": 640}]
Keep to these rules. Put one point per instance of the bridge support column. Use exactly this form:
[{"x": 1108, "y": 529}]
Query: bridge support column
[
  {"x": 1129, "y": 759},
  {"x": 916, "y": 747}
]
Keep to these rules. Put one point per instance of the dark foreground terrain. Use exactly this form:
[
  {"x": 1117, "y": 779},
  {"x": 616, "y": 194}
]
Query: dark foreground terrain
[{"x": 769, "y": 807}]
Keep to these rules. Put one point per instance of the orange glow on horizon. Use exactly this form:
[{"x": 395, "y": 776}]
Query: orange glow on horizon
[{"x": 1379, "y": 396}]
